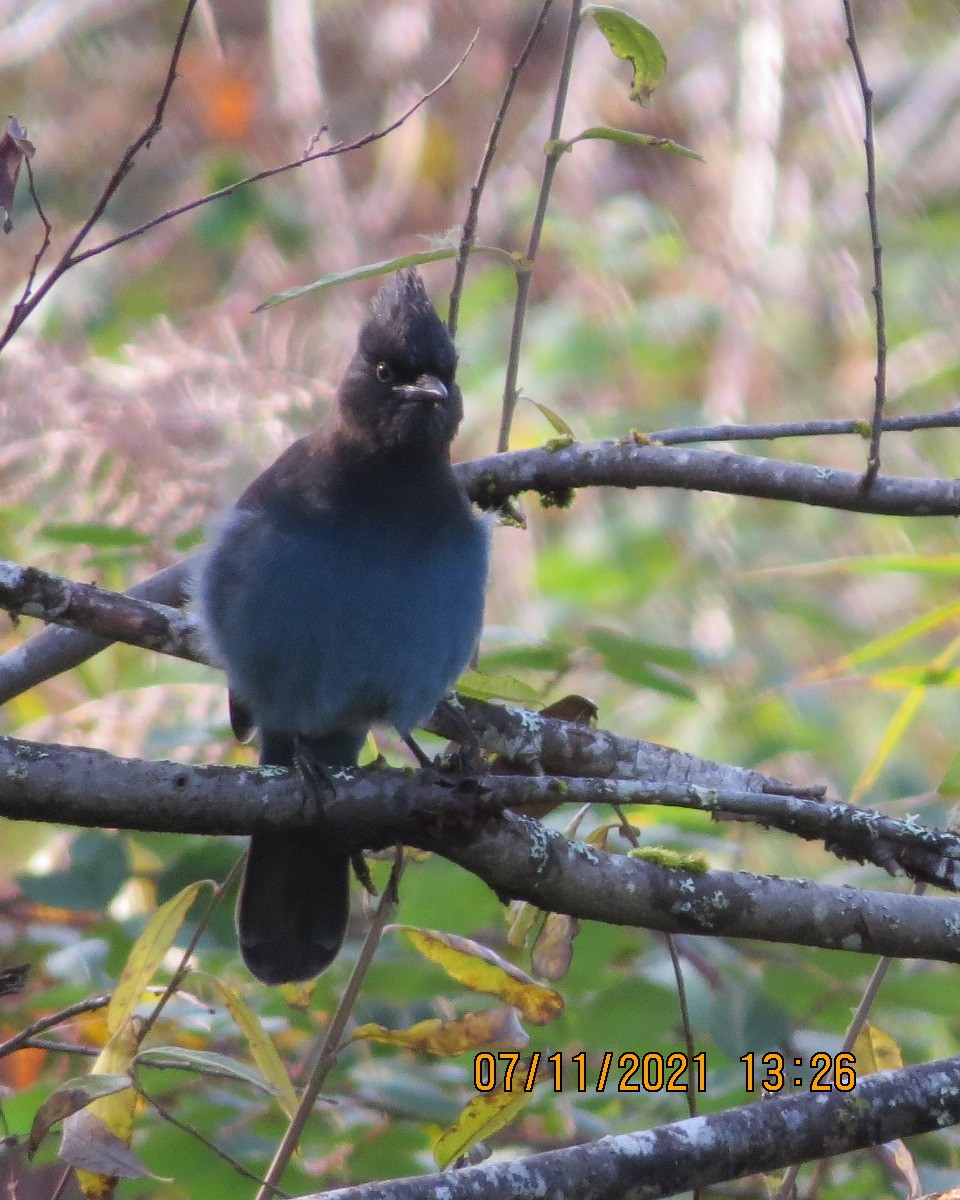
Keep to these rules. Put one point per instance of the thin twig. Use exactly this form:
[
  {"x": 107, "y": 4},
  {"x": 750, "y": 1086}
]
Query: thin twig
[
  {"x": 184, "y": 965},
  {"x": 469, "y": 234},
  {"x": 525, "y": 271},
  {"x": 630, "y": 834},
  {"x": 29, "y": 301},
  {"x": 51, "y": 1022},
  {"x": 330, "y": 1046},
  {"x": 184, "y": 1127},
  {"x": 880, "y": 378},
  {"x": 47, "y": 230},
  {"x": 795, "y": 429},
  {"x": 684, "y": 1016},
  {"x": 72, "y": 256},
  {"x": 857, "y": 1022},
  {"x": 56, "y": 1047},
  {"x": 61, "y": 1184},
  {"x": 310, "y": 155}
]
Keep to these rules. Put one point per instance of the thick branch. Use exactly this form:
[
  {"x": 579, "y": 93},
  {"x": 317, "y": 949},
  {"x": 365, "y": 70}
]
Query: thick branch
[
  {"x": 702, "y": 1151},
  {"x": 553, "y": 473},
  {"x": 656, "y": 774},
  {"x": 27, "y": 591},
  {"x": 525, "y": 738},
  {"x": 629, "y": 464},
  {"x": 514, "y": 855}
]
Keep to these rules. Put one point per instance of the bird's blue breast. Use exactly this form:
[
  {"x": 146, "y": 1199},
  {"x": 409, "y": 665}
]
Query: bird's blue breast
[{"x": 336, "y": 621}]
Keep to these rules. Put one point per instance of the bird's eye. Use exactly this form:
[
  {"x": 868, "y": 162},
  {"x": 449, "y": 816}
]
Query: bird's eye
[{"x": 384, "y": 372}]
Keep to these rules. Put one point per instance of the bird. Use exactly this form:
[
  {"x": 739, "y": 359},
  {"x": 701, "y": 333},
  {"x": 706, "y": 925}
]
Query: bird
[{"x": 344, "y": 590}]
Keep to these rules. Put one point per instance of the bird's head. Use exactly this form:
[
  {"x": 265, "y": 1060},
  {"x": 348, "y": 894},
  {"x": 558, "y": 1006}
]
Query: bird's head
[{"x": 399, "y": 392}]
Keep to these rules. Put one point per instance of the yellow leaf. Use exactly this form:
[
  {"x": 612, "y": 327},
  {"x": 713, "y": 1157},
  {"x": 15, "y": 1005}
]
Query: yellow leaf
[
  {"x": 552, "y": 952},
  {"x": 94, "y": 1139},
  {"x": 299, "y": 995},
  {"x": 879, "y": 647},
  {"x": 481, "y": 970},
  {"x": 876, "y": 1050},
  {"x": 484, "y": 1116},
  {"x": 899, "y": 724},
  {"x": 149, "y": 951},
  {"x": 496, "y": 1027},
  {"x": 521, "y": 918},
  {"x": 559, "y": 424},
  {"x": 100, "y": 1158},
  {"x": 262, "y": 1049}
]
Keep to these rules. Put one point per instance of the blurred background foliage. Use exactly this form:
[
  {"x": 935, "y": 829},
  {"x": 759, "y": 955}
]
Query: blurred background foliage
[{"x": 144, "y": 394}]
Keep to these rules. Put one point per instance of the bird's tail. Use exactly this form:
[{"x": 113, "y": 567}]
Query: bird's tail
[{"x": 294, "y": 899}]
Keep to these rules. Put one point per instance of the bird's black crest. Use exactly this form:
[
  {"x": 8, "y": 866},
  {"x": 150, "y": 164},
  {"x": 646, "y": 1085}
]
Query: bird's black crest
[{"x": 402, "y": 323}]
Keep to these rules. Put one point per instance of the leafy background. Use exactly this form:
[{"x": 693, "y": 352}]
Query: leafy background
[{"x": 668, "y": 292}]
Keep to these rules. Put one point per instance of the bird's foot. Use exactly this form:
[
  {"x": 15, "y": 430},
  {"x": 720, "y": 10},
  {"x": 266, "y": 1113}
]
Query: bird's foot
[
  {"x": 316, "y": 777},
  {"x": 362, "y": 872}
]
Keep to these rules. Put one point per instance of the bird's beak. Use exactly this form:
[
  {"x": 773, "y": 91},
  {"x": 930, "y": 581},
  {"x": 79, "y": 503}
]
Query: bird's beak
[{"x": 428, "y": 389}]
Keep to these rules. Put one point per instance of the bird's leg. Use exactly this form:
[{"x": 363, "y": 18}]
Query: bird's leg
[
  {"x": 423, "y": 759},
  {"x": 315, "y": 776},
  {"x": 362, "y": 872},
  {"x": 467, "y": 759},
  {"x": 319, "y": 783}
]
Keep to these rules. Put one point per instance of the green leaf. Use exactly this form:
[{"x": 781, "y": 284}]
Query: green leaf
[
  {"x": 536, "y": 656},
  {"x": 558, "y": 423},
  {"x": 261, "y": 1046},
  {"x": 205, "y": 1062},
  {"x": 630, "y": 39},
  {"x": 91, "y": 533},
  {"x": 950, "y": 783},
  {"x": 69, "y": 1098},
  {"x": 374, "y": 270},
  {"x": 478, "y": 686},
  {"x": 640, "y": 662},
  {"x": 938, "y": 565},
  {"x": 898, "y": 678},
  {"x": 98, "y": 869},
  {"x": 627, "y": 137},
  {"x": 147, "y": 954}
]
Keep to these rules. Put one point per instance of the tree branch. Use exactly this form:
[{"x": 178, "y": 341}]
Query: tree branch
[
  {"x": 552, "y": 155},
  {"x": 548, "y": 745},
  {"x": 909, "y": 423},
  {"x": 30, "y": 299},
  {"x": 465, "y": 821},
  {"x": 469, "y": 233},
  {"x": 880, "y": 376},
  {"x": 701, "y": 1151},
  {"x": 630, "y": 463},
  {"x": 627, "y": 463}
]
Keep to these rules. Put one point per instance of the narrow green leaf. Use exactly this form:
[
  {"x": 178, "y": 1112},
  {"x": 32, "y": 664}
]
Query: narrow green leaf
[
  {"x": 950, "y": 783},
  {"x": 643, "y": 663},
  {"x": 91, "y": 533},
  {"x": 898, "y": 678},
  {"x": 374, "y": 270},
  {"x": 627, "y": 137},
  {"x": 558, "y": 423},
  {"x": 261, "y": 1045},
  {"x": 537, "y": 656},
  {"x": 207, "y": 1063},
  {"x": 631, "y": 40},
  {"x": 148, "y": 952},
  {"x": 478, "y": 686},
  {"x": 945, "y": 565}
]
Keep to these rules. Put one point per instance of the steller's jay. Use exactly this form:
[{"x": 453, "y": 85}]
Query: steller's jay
[{"x": 345, "y": 589}]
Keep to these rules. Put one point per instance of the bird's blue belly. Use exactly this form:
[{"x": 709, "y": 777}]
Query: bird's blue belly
[{"x": 340, "y": 627}]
